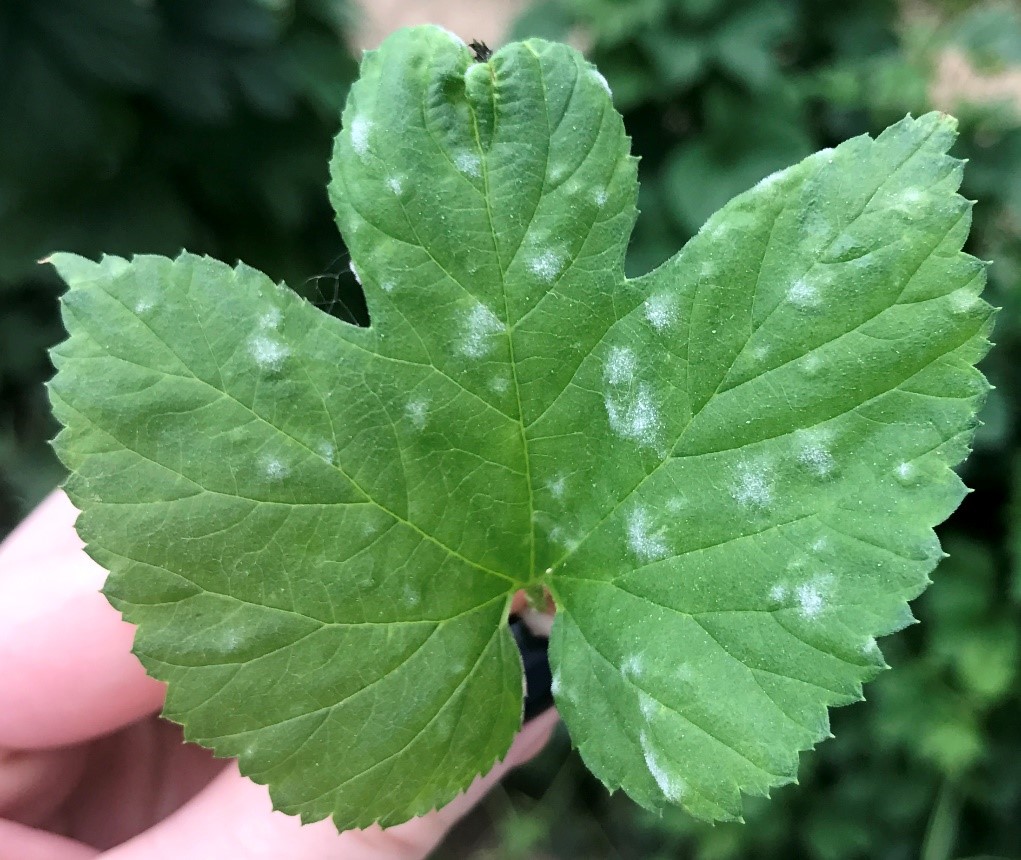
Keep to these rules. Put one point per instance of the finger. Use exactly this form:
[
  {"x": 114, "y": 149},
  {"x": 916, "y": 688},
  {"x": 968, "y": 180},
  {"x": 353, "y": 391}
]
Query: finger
[
  {"x": 233, "y": 818},
  {"x": 66, "y": 671},
  {"x": 33, "y": 784},
  {"x": 27, "y": 843}
]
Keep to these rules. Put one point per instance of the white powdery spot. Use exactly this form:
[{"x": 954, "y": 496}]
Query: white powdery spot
[
  {"x": 646, "y": 544},
  {"x": 620, "y": 366},
  {"x": 647, "y": 705},
  {"x": 637, "y": 419},
  {"x": 811, "y": 597},
  {"x": 813, "y": 453},
  {"x": 754, "y": 487},
  {"x": 557, "y": 487},
  {"x": 546, "y": 266},
  {"x": 481, "y": 324},
  {"x": 354, "y": 271},
  {"x": 910, "y": 198},
  {"x": 715, "y": 228},
  {"x": 659, "y": 311},
  {"x": 360, "y": 128},
  {"x": 561, "y": 536},
  {"x": 327, "y": 451},
  {"x": 632, "y": 667},
  {"x": 556, "y": 685},
  {"x": 268, "y": 353},
  {"x": 672, "y": 786},
  {"x": 600, "y": 197},
  {"x": 468, "y": 163},
  {"x": 275, "y": 469},
  {"x": 905, "y": 472},
  {"x": 816, "y": 228},
  {"x": 144, "y": 306},
  {"x": 778, "y": 593},
  {"x": 395, "y": 184},
  {"x": 962, "y": 301},
  {"x": 870, "y": 647},
  {"x": 271, "y": 319},
  {"x": 811, "y": 364},
  {"x": 418, "y": 412},
  {"x": 499, "y": 384},
  {"x": 558, "y": 171},
  {"x": 676, "y": 504},
  {"x": 803, "y": 295},
  {"x": 599, "y": 79},
  {"x": 387, "y": 286},
  {"x": 410, "y": 595}
]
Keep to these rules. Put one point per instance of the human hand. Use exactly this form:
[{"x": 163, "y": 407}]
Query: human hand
[{"x": 87, "y": 769}]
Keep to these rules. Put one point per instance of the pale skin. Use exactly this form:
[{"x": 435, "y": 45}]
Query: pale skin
[{"x": 88, "y": 770}]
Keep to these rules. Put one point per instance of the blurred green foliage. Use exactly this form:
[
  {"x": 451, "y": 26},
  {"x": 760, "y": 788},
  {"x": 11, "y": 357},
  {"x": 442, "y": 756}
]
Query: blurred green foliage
[
  {"x": 149, "y": 126},
  {"x": 133, "y": 127},
  {"x": 716, "y": 95}
]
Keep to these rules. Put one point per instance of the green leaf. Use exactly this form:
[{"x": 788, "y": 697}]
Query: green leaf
[{"x": 725, "y": 472}]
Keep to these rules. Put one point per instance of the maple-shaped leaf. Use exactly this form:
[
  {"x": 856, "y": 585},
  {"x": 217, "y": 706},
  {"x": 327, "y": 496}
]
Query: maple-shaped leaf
[{"x": 725, "y": 472}]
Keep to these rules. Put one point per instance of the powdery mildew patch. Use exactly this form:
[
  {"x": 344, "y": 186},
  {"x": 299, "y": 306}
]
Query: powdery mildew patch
[
  {"x": 546, "y": 266},
  {"x": 659, "y": 311},
  {"x": 637, "y": 419},
  {"x": 753, "y": 487},
  {"x": 620, "y": 367},
  {"x": 268, "y": 352},
  {"x": 360, "y": 128},
  {"x": 468, "y": 163},
  {"x": 811, "y": 451},
  {"x": 804, "y": 295},
  {"x": 275, "y": 469},
  {"x": 418, "y": 413},
  {"x": 811, "y": 596},
  {"x": 646, "y": 544},
  {"x": 480, "y": 325},
  {"x": 672, "y": 786}
]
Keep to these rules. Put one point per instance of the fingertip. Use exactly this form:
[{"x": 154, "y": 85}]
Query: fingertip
[
  {"x": 66, "y": 669},
  {"x": 27, "y": 843}
]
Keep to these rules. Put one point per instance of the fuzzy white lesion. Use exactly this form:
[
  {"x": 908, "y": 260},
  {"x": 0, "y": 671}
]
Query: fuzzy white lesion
[
  {"x": 468, "y": 163},
  {"x": 672, "y": 786},
  {"x": 753, "y": 487},
  {"x": 621, "y": 365},
  {"x": 643, "y": 541},
  {"x": 268, "y": 352},
  {"x": 361, "y": 127},
  {"x": 546, "y": 265},
  {"x": 660, "y": 311},
  {"x": 480, "y": 326}
]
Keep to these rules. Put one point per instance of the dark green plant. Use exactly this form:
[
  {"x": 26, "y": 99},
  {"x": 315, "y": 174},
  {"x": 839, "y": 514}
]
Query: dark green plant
[{"x": 153, "y": 126}]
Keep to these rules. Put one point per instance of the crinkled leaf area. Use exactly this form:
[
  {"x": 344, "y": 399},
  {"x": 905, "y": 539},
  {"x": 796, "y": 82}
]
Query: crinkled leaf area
[{"x": 726, "y": 472}]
